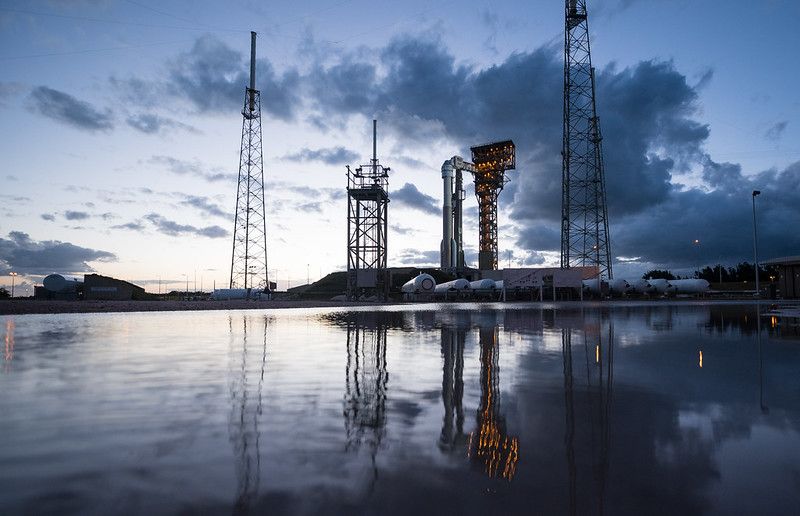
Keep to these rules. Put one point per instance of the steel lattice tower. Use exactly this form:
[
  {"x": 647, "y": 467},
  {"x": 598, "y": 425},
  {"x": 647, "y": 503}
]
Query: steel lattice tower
[
  {"x": 249, "y": 256},
  {"x": 491, "y": 162},
  {"x": 367, "y": 227},
  {"x": 584, "y": 217}
]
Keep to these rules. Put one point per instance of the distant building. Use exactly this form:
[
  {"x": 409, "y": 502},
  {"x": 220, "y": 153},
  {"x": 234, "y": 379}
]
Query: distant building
[
  {"x": 107, "y": 289},
  {"x": 788, "y": 275}
]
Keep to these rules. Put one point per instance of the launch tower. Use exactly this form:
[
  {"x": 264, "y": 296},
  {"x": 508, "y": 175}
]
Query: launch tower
[
  {"x": 367, "y": 226},
  {"x": 584, "y": 217},
  {"x": 490, "y": 161}
]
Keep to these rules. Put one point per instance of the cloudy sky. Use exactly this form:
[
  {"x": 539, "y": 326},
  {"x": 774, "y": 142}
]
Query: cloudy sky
[{"x": 121, "y": 126}]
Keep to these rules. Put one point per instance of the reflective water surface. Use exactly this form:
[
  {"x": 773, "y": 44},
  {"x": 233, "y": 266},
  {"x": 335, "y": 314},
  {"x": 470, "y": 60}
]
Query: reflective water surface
[{"x": 471, "y": 409}]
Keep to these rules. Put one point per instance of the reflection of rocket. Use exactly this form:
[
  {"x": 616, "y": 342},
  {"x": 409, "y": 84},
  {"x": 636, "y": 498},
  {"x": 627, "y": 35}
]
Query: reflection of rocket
[
  {"x": 498, "y": 451},
  {"x": 452, "y": 387},
  {"x": 246, "y": 398}
]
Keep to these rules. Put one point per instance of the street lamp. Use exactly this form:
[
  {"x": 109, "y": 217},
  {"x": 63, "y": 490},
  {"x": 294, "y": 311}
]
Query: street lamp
[
  {"x": 696, "y": 243},
  {"x": 755, "y": 240},
  {"x": 13, "y": 277}
]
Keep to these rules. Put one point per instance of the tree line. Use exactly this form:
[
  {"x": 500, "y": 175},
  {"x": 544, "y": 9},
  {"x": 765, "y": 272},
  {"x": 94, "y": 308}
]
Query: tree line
[{"x": 742, "y": 272}]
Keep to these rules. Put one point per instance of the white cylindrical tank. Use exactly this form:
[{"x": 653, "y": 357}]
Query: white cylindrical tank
[
  {"x": 690, "y": 286},
  {"x": 484, "y": 284},
  {"x": 424, "y": 283},
  {"x": 593, "y": 285},
  {"x": 618, "y": 286},
  {"x": 661, "y": 286},
  {"x": 59, "y": 283},
  {"x": 224, "y": 294},
  {"x": 641, "y": 286},
  {"x": 448, "y": 286}
]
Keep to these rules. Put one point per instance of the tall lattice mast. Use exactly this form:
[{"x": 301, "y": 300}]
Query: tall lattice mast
[
  {"x": 367, "y": 227},
  {"x": 249, "y": 256},
  {"x": 491, "y": 162},
  {"x": 585, "y": 239}
]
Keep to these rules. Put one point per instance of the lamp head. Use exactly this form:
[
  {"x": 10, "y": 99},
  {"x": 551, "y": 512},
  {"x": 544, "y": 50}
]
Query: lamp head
[{"x": 756, "y": 192}]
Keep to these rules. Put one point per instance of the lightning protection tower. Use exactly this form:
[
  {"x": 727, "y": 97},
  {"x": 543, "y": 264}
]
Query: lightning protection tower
[
  {"x": 367, "y": 226},
  {"x": 584, "y": 217},
  {"x": 491, "y": 161},
  {"x": 249, "y": 256}
]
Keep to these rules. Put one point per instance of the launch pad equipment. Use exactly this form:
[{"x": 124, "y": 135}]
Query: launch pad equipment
[
  {"x": 490, "y": 162},
  {"x": 367, "y": 227}
]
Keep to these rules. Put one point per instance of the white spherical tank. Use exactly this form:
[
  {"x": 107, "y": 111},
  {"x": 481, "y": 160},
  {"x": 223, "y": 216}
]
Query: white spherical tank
[
  {"x": 447, "y": 286},
  {"x": 484, "y": 284},
  {"x": 59, "y": 283},
  {"x": 421, "y": 284}
]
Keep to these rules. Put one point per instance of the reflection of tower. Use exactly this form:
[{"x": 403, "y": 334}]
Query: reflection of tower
[
  {"x": 249, "y": 256},
  {"x": 497, "y": 451},
  {"x": 452, "y": 387},
  {"x": 367, "y": 227},
  {"x": 246, "y": 399},
  {"x": 587, "y": 424},
  {"x": 491, "y": 162},
  {"x": 584, "y": 217},
  {"x": 366, "y": 380}
]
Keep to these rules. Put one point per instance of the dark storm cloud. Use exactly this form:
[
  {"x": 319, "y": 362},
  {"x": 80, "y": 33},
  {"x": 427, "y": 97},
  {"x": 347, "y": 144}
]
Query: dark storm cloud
[
  {"x": 415, "y": 257},
  {"x": 205, "y": 206},
  {"x": 65, "y": 108},
  {"x": 775, "y": 132},
  {"x": 410, "y": 197},
  {"x": 192, "y": 168},
  {"x": 21, "y": 254},
  {"x": 721, "y": 219},
  {"x": 76, "y": 215},
  {"x": 649, "y": 120},
  {"x": 150, "y": 123},
  {"x": 330, "y": 156},
  {"x": 48, "y": 216},
  {"x": 172, "y": 228},
  {"x": 212, "y": 76}
]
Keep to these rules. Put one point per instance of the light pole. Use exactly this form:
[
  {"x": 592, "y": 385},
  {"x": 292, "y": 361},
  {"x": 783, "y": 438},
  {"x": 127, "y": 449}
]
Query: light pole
[
  {"x": 13, "y": 277},
  {"x": 697, "y": 253},
  {"x": 755, "y": 240}
]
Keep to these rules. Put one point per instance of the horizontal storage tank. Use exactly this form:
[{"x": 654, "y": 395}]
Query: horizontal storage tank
[
  {"x": 593, "y": 285},
  {"x": 59, "y": 283},
  {"x": 222, "y": 294},
  {"x": 484, "y": 284},
  {"x": 618, "y": 286},
  {"x": 641, "y": 286},
  {"x": 499, "y": 285},
  {"x": 662, "y": 286},
  {"x": 690, "y": 286},
  {"x": 424, "y": 283},
  {"x": 455, "y": 285}
]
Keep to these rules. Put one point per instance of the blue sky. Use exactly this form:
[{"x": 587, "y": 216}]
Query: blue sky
[{"x": 121, "y": 127}]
